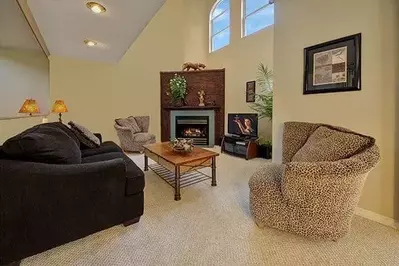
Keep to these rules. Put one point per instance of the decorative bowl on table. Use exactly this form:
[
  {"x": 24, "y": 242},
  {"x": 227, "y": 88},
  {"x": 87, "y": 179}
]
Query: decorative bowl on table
[{"x": 182, "y": 145}]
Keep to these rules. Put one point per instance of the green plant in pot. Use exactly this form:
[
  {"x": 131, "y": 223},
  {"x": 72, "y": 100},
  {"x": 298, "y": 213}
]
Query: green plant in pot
[
  {"x": 264, "y": 105},
  {"x": 178, "y": 90},
  {"x": 264, "y": 148}
]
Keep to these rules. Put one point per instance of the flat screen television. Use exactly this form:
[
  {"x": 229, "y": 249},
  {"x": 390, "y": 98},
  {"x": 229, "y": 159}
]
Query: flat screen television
[{"x": 243, "y": 124}]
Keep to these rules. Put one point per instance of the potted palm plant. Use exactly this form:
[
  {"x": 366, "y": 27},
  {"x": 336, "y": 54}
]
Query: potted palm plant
[
  {"x": 264, "y": 148},
  {"x": 264, "y": 106}
]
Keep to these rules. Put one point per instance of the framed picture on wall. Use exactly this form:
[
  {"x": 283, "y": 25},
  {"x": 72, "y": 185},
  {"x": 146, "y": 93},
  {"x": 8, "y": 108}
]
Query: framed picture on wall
[
  {"x": 251, "y": 90},
  {"x": 333, "y": 66}
]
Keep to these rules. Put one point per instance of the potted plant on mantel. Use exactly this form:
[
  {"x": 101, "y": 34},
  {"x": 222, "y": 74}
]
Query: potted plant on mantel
[
  {"x": 178, "y": 90},
  {"x": 264, "y": 106}
]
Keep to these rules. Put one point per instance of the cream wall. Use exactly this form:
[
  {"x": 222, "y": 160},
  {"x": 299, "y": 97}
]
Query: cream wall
[
  {"x": 195, "y": 31},
  {"x": 23, "y": 74},
  {"x": 371, "y": 111},
  {"x": 11, "y": 127},
  {"x": 97, "y": 93},
  {"x": 241, "y": 59}
]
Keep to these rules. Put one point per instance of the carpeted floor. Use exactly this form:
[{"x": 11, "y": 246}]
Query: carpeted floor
[{"x": 213, "y": 226}]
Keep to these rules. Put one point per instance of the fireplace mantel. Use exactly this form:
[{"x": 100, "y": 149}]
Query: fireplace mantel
[{"x": 209, "y": 107}]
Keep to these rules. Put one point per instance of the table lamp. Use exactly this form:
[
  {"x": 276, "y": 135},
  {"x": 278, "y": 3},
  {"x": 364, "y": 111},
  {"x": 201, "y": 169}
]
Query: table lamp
[
  {"x": 29, "y": 107},
  {"x": 60, "y": 108}
]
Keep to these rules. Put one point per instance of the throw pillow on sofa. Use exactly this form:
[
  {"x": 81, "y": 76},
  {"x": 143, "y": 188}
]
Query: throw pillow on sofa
[
  {"x": 129, "y": 122},
  {"x": 45, "y": 143},
  {"x": 85, "y": 136},
  {"x": 327, "y": 144}
]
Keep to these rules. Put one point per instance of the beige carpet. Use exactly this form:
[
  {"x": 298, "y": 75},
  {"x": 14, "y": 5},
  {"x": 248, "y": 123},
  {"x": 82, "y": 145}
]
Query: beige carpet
[{"x": 213, "y": 226}]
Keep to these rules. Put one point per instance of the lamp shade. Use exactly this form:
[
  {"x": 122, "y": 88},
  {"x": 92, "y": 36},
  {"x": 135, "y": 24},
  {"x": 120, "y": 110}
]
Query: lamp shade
[
  {"x": 59, "y": 107},
  {"x": 29, "y": 107}
]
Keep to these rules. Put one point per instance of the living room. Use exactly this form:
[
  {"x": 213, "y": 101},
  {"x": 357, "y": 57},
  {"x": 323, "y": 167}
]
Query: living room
[{"x": 98, "y": 90}]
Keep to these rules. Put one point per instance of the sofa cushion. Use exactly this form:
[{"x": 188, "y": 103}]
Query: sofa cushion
[
  {"x": 2, "y": 155},
  {"x": 105, "y": 147},
  {"x": 134, "y": 176},
  {"x": 328, "y": 144},
  {"x": 66, "y": 129},
  {"x": 129, "y": 122},
  {"x": 45, "y": 143},
  {"x": 84, "y": 135}
]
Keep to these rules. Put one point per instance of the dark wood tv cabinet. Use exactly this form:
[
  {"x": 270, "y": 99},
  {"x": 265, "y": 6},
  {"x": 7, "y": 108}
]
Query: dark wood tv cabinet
[{"x": 239, "y": 146}]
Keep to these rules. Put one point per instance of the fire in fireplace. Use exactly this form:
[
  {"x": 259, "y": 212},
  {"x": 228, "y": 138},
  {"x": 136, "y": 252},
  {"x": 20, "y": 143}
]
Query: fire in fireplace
[
  {"x": 194, "y": 133},
  {"x": 193, "y": 127}
]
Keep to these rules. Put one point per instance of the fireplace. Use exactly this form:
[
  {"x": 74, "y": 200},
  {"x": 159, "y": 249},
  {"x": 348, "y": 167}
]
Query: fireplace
[
  {"x": 198, "y": 125},
  {"x": 193, "y": 127}
]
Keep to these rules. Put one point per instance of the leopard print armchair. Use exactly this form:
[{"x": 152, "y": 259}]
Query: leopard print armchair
[
  {"x": 133, "y": 133},
  {"x": 313, "y": 197}
]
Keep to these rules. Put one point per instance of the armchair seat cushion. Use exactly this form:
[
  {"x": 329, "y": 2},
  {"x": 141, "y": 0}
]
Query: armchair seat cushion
[
  {"x": 134, "y": 175},
  {"x": 105, "y": 147},
  {"x": 144, "y": 137},
  {"x": 328, "y": 144}
]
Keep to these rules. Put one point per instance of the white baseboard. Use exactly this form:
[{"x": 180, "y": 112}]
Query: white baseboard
[{"x": 377, "y": 218}]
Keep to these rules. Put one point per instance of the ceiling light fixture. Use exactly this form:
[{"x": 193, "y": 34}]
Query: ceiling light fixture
[
  {"x": 90, "y": 43},
  {"x": 96, "y": 7}
]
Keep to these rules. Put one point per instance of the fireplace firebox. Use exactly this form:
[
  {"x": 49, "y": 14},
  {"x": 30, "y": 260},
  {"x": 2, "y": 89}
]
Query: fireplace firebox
[{"x": 193, "y": 127}]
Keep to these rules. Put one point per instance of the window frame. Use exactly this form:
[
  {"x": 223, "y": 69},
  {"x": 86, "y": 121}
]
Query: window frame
[
  {"x": 211, "y": 21},
  {"x": 244, "y": 16}
]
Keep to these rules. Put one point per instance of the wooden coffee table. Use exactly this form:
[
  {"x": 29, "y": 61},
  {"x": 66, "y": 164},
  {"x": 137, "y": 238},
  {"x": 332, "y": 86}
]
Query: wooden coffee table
[{"x": 180, "y": 169}]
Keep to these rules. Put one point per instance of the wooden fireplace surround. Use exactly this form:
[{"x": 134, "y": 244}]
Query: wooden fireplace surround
[{"x": 213, "y": 84}]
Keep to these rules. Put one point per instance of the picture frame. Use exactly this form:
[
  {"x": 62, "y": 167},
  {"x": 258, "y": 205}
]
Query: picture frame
[
  {"x": 333, "y": 66},
  {"x": 250, "y": 91}
]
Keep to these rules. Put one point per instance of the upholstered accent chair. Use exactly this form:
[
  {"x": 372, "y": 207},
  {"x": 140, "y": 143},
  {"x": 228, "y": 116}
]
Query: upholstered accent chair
[
  {"x": 316, "y": 189},
  {"x": 133, "y": 133}
]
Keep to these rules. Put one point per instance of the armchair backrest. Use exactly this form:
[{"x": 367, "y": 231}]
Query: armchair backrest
[
  {"x": 295, "y": 136},
  {"x": 143, "y": 122}
]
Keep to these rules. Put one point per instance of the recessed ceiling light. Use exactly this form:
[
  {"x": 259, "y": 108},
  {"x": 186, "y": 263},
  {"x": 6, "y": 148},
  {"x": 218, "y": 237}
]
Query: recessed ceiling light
[
  {"x": 96, "y": 7},
  {"x": 90, "y": 43}
]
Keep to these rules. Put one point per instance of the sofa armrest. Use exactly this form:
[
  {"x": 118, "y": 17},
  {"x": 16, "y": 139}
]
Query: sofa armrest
[
  {"x": 27, "y": 181},
  {"x": 99, "y": 136},
  {"x": 43, "y": 205}
]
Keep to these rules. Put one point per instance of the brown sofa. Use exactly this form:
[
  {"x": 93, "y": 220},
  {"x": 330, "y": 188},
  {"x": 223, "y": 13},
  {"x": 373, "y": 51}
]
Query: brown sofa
[{"x": 316, "y": 189}]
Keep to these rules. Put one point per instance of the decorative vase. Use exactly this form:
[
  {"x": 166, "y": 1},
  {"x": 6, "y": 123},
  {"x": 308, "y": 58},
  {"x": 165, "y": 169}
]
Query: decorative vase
[{"x": 178, "y": 103}]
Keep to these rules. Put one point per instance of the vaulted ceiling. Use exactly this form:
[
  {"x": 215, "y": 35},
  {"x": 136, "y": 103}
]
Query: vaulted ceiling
[{"x": 65, "y": 24}]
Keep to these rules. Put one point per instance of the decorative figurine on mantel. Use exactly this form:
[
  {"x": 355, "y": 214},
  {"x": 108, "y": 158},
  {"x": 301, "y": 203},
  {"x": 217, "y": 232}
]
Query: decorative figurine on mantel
[
  {"x": 194, "y": 66},
  {"x": 201, "y": 97}
]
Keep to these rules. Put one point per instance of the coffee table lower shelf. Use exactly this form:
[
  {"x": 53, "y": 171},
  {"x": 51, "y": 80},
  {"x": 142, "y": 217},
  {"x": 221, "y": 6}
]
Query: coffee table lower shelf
[{"x": 186, "y": 179}]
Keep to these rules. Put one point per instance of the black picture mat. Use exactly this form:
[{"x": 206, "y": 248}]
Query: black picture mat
[
  {"x": 353, "y": 44},
  {"x": 250, "y": 91}
]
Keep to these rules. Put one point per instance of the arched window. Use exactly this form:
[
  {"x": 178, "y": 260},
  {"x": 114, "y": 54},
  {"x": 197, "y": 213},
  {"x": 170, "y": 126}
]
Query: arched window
[
  {"x": 219, "y": 25},
  {"x": 256, "y": 15}
]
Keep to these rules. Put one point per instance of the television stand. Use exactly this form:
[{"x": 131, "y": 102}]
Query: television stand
[{"x": 244, "y": 147}]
